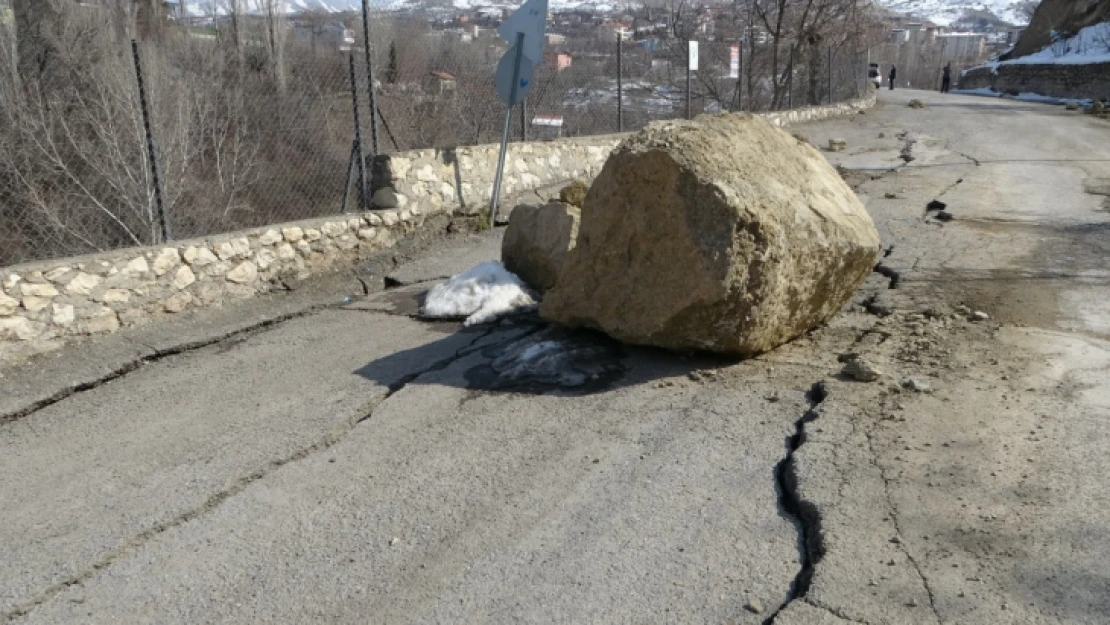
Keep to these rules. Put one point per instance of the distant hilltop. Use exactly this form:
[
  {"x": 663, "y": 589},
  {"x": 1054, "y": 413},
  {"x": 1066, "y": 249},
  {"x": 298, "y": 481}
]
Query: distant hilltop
[{"x": 940, "y": 12}]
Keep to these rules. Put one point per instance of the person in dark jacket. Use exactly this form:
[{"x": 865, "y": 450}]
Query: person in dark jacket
[
  {"x": 946, "y": 78},
  {"x": 893, "y": 73}
]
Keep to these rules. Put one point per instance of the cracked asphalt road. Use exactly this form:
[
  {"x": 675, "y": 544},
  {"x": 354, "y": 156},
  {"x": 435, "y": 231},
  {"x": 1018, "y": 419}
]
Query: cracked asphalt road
[{"x": 344, "y": 463}]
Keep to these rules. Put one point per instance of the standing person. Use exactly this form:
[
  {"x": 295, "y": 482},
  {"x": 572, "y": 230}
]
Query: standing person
[
  {"x": 946, "y": 78},
  {"x": 893, "y": 73}
]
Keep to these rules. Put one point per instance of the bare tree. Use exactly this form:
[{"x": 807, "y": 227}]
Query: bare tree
[
  {"x": 235, "y": 21},
  {"x": 73, "y": 150},
  {"x": 273, "y": 12}
]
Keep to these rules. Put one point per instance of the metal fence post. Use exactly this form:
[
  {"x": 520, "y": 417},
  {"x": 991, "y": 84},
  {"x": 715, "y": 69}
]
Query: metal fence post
[
  {"x": 620, "y": 82},
  {"x": 830, "y": 75},
  {"x": 370, "y": 78},
  {"x": 350, "y": 173},
  {"x": 389, "y": 132},
  {"x": 790, "y": 82},
  {"x": 524, "y": 119},
  {"x": 363, "y": 200},
  {"x": 153, "y": 153},
  {"x": 689, "y": 105}
]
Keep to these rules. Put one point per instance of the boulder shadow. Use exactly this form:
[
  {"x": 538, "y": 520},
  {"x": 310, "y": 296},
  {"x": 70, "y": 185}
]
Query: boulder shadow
[{"x": 523, "y": 354}]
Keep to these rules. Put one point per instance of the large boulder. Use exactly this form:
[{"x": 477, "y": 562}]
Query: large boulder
[
  {"x": 537, "y": 241},
  {"x": 722, "y": 234}
]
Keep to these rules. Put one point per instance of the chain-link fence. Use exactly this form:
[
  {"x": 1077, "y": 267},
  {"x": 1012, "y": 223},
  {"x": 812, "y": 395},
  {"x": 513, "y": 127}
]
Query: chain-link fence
[{"x": 250, "y": 119}]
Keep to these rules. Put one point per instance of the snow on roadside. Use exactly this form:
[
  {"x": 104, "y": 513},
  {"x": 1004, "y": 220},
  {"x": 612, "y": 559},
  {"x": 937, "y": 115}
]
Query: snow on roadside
[
  {"x": 987, "y": 92},
  {"x": 480, "y": 294}
]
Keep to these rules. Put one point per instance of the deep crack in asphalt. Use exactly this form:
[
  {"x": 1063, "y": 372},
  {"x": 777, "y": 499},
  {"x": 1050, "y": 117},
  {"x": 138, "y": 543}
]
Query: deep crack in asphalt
[{"x": 808, "y": 519}]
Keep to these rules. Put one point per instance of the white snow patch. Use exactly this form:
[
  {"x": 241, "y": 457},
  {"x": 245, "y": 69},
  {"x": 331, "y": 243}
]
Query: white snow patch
[
  {"x": 1022, "y": 97},
  {"x": 981, "y": 91},
  {"x": 480, "y": 294},
  {"x": 1089, "y": 45}
]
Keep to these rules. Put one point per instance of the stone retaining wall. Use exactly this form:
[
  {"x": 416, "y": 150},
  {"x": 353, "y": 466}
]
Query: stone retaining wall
[
  {"x": 1091, "y": 80},
  {"x": 45, "y": 302},
  {"x": 462, "y": 178},
  {"x": 95, "y": 294}
]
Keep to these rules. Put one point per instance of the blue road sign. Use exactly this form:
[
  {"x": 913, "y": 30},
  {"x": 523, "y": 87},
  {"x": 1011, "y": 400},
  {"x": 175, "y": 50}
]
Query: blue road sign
[{"x": 504, "y": 77}]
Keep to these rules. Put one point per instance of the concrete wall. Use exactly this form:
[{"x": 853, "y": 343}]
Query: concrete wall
[
  {"x": 45, "y": 302},
  {"x": 1090, "y": 80}
]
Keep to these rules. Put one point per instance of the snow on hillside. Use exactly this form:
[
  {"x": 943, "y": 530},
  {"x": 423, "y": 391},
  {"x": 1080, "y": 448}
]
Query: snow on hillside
[
  {"x": 203, "y": 8},
  {"x": 1089, "y": 45},
  {"x": 944, "y": 12}
]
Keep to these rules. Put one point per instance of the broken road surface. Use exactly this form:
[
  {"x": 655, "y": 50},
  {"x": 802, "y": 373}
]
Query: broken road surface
[{"x": 349, "y": 462}]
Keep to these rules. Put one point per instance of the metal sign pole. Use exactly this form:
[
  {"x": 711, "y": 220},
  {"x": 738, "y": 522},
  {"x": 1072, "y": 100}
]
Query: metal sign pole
[
  {"x": 689, "y": 106},
  {"x": 740, "y": 77},
  {"x": 496, "y": 194}
]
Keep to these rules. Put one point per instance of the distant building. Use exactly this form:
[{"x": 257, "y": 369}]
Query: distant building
[
  {"x": 1012, "y": 36},
  {"x": 437, "y": 82},
  {"x": 557, "y": 60},
  {"x": 459, "y": 35},
  {"x": 331, "y": 36},
  {"x": 961, "y": 45},
  {"x": 613, "y": 31},
  {"x": 920, "y": 32},
  {"x": 757, "y": 35},
  {"x": 554, "y": 39},
  {"x": 706, "y": 26},
  {"x": 489, "y": 13},
  {"x": 173, "y": 9}
]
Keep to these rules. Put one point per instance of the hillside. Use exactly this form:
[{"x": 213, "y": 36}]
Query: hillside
[
  {"x": 1065, "y": 17},
  {"x": 201, "y": 8},
  {"x": 945, "y": 12}
]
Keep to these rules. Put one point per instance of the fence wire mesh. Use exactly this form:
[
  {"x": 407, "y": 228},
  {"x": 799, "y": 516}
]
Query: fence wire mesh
[{"x": 253, "y": 118}]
